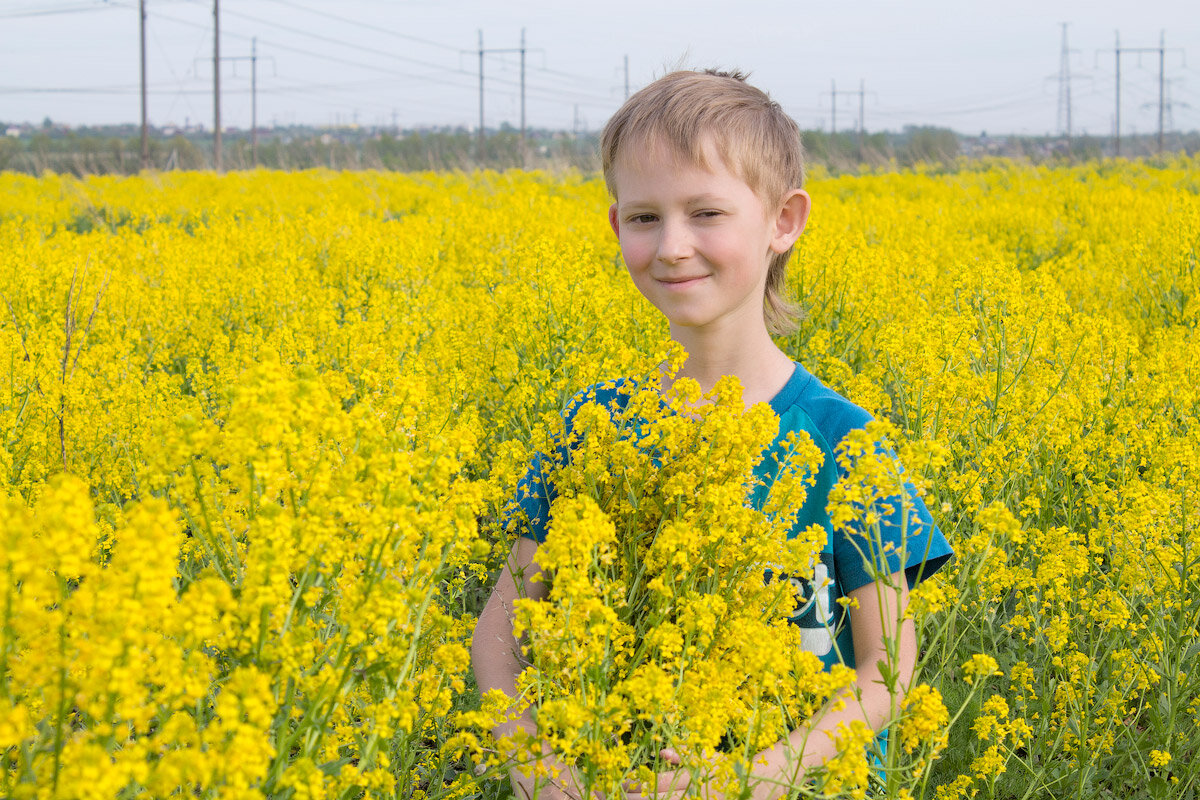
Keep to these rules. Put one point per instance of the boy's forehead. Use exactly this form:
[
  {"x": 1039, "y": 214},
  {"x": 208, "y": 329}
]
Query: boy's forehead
[{"x": 649, "y": 152}]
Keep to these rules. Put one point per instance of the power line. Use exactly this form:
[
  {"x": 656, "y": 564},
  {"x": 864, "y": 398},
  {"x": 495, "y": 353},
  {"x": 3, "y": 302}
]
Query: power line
[
  {"x": 325, "y": 57},
  {"x": 341, "y": 42},
  {"x": 166, "y": 89},
  {"x": 533, "y": 91},
  {"x": 178, "y": 81},
  {"x": 420, "y": 40},
  {"x": 964, "y": 111},
  {"x": 103, "y": 5},
  {"x": 373, "y": 28},
  {"x": 441, "y": 73},
  {"x": 388, "y": 54},
  {"x": 47, "y": 12},
  {"x": 544, "y": 93}
]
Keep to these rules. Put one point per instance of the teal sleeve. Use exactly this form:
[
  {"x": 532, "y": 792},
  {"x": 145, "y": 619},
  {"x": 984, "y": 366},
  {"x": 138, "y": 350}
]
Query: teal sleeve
[{"x": 907, "y": 538}]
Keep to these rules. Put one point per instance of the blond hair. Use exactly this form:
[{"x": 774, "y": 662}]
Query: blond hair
[{"x": 756, "y": 139}]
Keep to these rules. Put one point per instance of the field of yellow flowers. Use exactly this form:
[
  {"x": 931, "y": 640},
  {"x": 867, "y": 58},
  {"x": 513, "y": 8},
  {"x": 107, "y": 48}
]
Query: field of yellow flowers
[{"x": 256, "y": 431}]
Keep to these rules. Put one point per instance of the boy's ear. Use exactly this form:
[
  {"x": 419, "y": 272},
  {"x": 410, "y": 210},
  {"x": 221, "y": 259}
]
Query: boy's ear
[
  {"x": 790, "y": 222},
  {"x": 613, "y": 221}
]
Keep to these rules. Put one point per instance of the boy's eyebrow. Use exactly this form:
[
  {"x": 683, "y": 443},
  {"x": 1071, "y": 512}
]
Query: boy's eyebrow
[{"x": 695, "y": 200}]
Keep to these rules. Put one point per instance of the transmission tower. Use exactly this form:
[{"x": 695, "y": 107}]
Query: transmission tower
[
  {"x": 861, "y": 93},
  {"x": 481, "y": 51},
  {"x": 1064, "y": 88},
  {"x": 1162, "y": 81},
  {"x": 217, "y": 86}
]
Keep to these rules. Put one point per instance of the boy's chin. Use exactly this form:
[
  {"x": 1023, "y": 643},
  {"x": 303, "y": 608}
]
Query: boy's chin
[{"x": 689, "y": 325}]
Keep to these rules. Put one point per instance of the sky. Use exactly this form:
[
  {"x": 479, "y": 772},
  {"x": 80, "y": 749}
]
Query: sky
[{"x": 972, "y": 66}]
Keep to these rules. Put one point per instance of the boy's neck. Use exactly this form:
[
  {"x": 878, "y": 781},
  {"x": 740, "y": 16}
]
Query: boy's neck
[{"x": 761, "y": 367}]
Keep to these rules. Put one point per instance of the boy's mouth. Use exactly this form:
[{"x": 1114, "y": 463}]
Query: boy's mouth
[{"x": 682, "y": 282}]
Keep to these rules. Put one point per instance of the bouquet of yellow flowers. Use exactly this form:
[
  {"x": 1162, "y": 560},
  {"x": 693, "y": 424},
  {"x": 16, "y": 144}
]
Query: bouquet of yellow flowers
[{"x": 666, "y": 622}]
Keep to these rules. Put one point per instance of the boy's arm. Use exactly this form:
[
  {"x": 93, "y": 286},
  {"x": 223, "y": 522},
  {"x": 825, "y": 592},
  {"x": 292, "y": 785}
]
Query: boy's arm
[
  {"x": 497, "y": 659},
  {"x": 495, "y": 653},
  {"x": 875, "y": 618}
]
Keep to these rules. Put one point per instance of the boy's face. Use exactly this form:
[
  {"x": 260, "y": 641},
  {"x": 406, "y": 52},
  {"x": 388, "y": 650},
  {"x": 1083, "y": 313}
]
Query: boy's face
[{"x": 698, "y": 242}]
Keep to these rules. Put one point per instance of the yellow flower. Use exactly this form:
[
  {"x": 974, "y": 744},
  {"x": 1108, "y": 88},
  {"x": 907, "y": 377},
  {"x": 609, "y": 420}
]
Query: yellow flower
[
  {"x": 849, "y": 769},
  {"x": 925, "y": 719},
  {"x": 980, "y": 665},
  {"x": 989, "y": 765}
]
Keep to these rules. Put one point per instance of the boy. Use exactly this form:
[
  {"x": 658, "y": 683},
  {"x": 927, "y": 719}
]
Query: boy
[{"x": 706, "y": 174}]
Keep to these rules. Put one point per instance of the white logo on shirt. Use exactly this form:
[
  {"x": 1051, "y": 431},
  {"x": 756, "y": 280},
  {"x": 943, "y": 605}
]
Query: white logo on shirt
[{"x": 818, "y": 641}]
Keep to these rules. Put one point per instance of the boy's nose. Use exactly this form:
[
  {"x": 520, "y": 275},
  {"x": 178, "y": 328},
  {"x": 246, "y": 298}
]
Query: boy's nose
[{"x": 674, "y": 244}]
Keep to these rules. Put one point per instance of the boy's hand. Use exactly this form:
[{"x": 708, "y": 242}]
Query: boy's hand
[
  {"x": 671, "y": 785},
  {"x": 566, "y": 786}
]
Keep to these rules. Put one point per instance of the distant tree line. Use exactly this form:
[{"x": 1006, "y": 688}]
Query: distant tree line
[{"x": 117, "y": 149}]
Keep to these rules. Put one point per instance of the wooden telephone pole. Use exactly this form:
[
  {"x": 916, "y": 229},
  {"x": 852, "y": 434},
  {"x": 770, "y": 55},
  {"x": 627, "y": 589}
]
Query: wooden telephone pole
[
  {"x": 145, "y": 120},
  {"x": 217, "y": 85}
]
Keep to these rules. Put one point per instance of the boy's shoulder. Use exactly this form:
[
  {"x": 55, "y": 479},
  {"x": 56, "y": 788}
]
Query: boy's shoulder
[
  {"x": 830, "y": 412},
  {"x": 612, "y": 393},
  {"x": 833, "y": 415}
]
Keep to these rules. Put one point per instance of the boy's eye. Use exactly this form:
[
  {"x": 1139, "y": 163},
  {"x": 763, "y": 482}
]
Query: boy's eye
[
  {"x": 708, "y": 212},
  {"x": 642, "y": 219}
]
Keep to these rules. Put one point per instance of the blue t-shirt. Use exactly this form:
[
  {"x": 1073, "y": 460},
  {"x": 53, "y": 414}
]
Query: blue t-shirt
[{"x": 804, "y": 404}]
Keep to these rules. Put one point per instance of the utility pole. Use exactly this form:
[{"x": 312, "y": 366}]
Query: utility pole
[
  {"x": 1117, "y": 129},
  {"x": 626, "y": 76},
  {"x": 1064, "y": 88},
  {"x": 862, "y": 94},
  {"x": 1161, "y": 50},
  {"x": 254, "y": 98},
  {"x": 253, "y": 59},
  {"x": 1162, "y": 45},
  {"x": 862, "y": 114},
  {"x": 522, "y": 100},
  {"x": 217, "y": 86},
  {"x": 833, "y": 125},
  {"x": 479, "y": 148},
  {"x": 145, "y": 121},
  {"x": 481, "y": 51}
]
